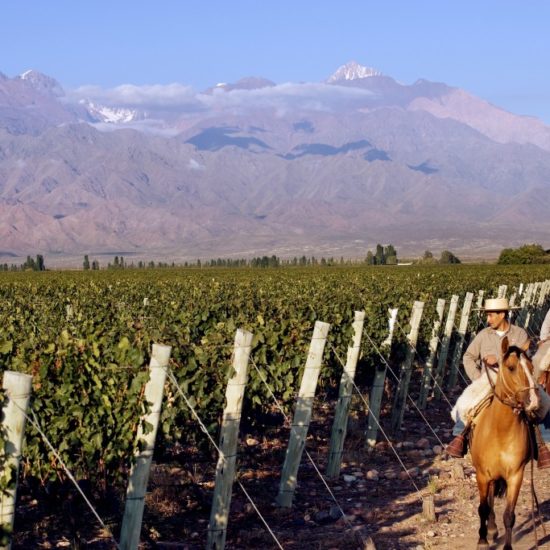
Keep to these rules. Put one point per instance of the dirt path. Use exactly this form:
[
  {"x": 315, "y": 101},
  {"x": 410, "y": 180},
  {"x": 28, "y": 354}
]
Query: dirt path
[
  {"x": 380, "y": 497},
  {"x": 456, "y": 502}
]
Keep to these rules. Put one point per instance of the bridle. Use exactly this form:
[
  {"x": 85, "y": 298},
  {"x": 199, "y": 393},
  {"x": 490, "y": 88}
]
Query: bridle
[{"x": 510, "y": 397}]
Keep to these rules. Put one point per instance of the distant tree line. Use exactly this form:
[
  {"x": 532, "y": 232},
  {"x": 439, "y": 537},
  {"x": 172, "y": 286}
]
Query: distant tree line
[
  {"x": 86, "y": 265},
  {"x": 30, "y": 264},
  {"x": 257, "y": 262},
  {"x": 526, "y": 254},
  {"x": 446, "y": 258},
  {"x": 383, "y": 255}
]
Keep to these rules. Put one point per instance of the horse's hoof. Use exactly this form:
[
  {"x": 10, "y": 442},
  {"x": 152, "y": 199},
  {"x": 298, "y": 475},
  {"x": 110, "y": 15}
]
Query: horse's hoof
[
  {"x": 493, "y": 533},
  {"x": 483, "y": 545}
]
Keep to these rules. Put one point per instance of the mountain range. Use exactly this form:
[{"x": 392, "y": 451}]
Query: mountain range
[{"x": 253, "y": 167}]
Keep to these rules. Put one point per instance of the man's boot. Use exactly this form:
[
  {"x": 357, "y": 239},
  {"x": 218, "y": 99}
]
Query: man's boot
[
  {"x": 543, "y": 451},
  {"x": 458, "y": 447}
]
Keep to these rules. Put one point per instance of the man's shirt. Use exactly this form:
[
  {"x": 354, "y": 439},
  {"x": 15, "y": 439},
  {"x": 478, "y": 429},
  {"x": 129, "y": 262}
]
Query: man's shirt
[{"x": 488, "y": 342}]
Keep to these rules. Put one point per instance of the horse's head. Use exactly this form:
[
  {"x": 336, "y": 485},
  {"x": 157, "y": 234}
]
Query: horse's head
[{"x": 515, "y": 383}]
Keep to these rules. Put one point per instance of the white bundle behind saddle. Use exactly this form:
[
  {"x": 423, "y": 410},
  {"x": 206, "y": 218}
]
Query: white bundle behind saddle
[{"x": 473, "y": 395}]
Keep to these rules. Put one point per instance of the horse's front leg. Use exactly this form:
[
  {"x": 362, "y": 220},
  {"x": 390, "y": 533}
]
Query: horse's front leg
[
  {"x": 484, "y": 510},
  {"x": 492, "y": 524},
  {"x": 514, "y": 485}
]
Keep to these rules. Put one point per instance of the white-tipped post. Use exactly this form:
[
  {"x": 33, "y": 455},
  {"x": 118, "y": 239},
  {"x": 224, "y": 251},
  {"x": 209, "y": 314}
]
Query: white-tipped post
[
  {"x": 225, "y": 469},
  {"x": 302, "y": 415},
  {"x": 340, "y": 425},
  {"x": 18, "y": 390},
  {"x": 139, "y": 473}
]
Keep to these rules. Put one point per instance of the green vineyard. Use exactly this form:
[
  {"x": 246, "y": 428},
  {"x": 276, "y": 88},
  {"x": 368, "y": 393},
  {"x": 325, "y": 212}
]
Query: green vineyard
[{"x": 85, "y": 339}]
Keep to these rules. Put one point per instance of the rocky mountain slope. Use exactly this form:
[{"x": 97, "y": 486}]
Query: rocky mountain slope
[{"x": 258, "y": 168}]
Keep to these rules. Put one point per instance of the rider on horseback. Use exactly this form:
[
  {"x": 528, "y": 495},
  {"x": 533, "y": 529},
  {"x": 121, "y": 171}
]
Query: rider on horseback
[{"x": 484, "y": 350}]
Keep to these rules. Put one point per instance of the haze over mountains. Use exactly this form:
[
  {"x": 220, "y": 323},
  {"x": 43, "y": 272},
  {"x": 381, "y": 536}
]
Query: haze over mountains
[{"x": 254, "y": 168}]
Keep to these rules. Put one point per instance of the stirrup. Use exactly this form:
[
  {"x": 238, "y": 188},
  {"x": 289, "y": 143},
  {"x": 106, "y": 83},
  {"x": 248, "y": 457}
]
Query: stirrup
[
  {"x": 544, "y": 457},
  {"x": 457, "y": 447}
]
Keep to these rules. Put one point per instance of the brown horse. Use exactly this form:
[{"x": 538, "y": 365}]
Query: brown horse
[{"x": 502, "y": 444}]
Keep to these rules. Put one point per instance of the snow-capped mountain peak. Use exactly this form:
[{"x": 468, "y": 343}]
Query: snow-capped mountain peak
[
  {"x": 113, "y": 115},
  {"x": 352, "y": 71},
  {"x": 42, "y": 83}
]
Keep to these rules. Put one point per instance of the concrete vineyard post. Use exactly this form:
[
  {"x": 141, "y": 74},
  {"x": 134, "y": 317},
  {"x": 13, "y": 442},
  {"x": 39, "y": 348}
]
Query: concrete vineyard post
[
  {"x": 405, "y": 375},
  {"x": 139, "y": 473},
  {"x": 428, "y": 367},
  {"x": 302, "y": 415},
  {"x": 377, "y": 391},
  {"x": 18, "y": 391},
  {"x": 225, "y": 468},
  {"x": 339, "y": 427},
  {"x": 447, "y": 334},
  {"x": 461, "y": 336},
  {"x": 502, "y": 289}
]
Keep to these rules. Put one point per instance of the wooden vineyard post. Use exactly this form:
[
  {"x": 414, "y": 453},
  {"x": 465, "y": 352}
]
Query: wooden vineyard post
[
  {"x": 225, "y": 468},
  {"x": 524, "y": 315},
  {"x": 428, "y": 508},
  {"x": 538, "y": 300},
  {"x": 139, "y": 473},
  {"x": 479, "y": 312},
  {"x": 402, "y": 389},
  {"x": 461, "y": 336},
  {"x": 302, "y": 415},
  {"x": 18, "y": 389},
  {"x": 377, "y": 391},
  {"x": 447, "y": 334},
  {"x": 428, "y": 367},
  {"x": 339, "y": 427},
  {"x": 530, "y": 325},
  {"x": 540, "y": 311},
  {"x": 544, "y": 292}
]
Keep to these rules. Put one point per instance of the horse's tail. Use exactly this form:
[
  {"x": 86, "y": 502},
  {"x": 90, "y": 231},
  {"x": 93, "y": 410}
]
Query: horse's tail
[{"x": 500, "y": 487}]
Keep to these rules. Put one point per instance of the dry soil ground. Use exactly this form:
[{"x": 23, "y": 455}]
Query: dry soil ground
[{"x": 381, "y": 498}]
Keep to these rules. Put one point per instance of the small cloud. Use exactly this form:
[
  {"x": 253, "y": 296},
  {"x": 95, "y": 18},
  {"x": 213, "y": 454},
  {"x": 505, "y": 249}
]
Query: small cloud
[
  {"x": 158, "y": 96},
  {"x": 174, "y": 97},
  {"x": 289, "y": 96}
]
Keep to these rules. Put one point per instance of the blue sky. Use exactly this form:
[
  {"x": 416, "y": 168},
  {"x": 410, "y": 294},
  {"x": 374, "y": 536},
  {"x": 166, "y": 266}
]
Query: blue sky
[{"x": 498, "y": 50}]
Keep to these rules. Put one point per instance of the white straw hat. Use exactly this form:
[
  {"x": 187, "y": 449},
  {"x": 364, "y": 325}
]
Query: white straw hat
[{"x": 497, "y": 304}]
